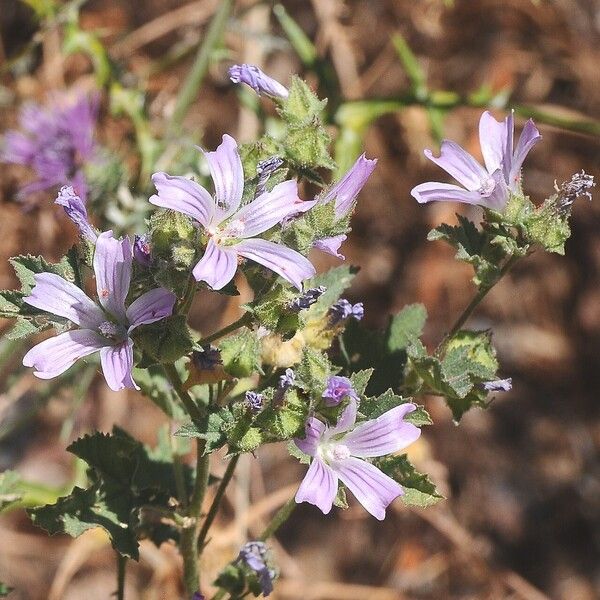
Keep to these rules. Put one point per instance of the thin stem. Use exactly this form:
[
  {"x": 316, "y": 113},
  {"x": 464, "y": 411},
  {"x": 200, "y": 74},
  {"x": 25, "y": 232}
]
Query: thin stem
[
  {"x": 245, "y": 319},
  {"x": 214, "y": 507},
  {"x": 281, "y": 516},
  {"x": 188, "y": 542},
  {"x": 191, "y": 407},
  {"x": 187, "y": 94},
  {"x": 121, "y": 572},
  {"x": 466, "y": 313}
]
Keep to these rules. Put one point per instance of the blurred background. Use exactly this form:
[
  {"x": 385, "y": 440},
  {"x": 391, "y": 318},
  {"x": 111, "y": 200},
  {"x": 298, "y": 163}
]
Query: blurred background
[{"x": 522, "y": 515}]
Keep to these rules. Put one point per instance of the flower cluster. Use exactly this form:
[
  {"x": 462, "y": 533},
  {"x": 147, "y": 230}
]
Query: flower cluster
[{"x": 56, "y": 142}]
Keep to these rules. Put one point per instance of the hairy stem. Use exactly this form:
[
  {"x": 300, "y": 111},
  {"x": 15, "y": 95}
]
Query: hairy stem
[
  {"x": 468, "y": 311},
  {"x": 187, "y": 94},
  {"x": 121, "y": 571},
  {"x": 188, "y": 542},
  {"x": 245, "y": 319},
  {"x": 214, "y": 507}
]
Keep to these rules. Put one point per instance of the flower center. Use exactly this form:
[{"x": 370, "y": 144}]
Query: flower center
[
  {"x": 112, "y": 331},
  {"x": 230, "y": 231},
  {"x": 487, "y": 186},
  {"x": 335, "y": 452}
]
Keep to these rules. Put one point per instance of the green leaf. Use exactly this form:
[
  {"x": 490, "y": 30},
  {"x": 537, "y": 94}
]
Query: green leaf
[
  {"x": 87, "y": 509},
  {"x": 376, "y": 406},
  {"x": 340, "y": 498},
  {"x": 24, "y": 328},
  {"x": 165, "y": 341},
  {"x": 240, "y": 353},
  {"x": 360, "y": 380},
  {"x": 26, "y": 266},
  {"x": 313, "y": 371},
  {"x": 419, "y": 490},
  {"x": 272, "y": 309},
  {"x": 10, "y": 492},
  {"x": 406, "y": 327},
  {"x": 284, "y": 422},
  {"x": 5, "y": 590},
  {"x": 214, "y": 431}
]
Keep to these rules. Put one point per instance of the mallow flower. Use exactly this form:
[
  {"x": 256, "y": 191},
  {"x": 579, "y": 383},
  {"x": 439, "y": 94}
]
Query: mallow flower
[
  {"x": 104, "y": 326},
  {"x": 490, "y": 186},
  {"x": 55, "y": 141},
  {"x": 258, "y": 80},
  {"x": 233, "y": 230},
  {"x": 339, "y": 453},
  {"x": 343, "y": 194}
]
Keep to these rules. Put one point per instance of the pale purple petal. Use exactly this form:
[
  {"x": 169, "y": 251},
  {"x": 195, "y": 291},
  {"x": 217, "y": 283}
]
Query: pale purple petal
[
  {"x": 218, "y": 265},
  {"x": 460, "y": 164},
  {"x": 117, "y": 364},
  {"x": 271, "y": 208},
  {"x": 288, "y": 263},
  {"x": 372, "y": 488},
  {"x": 529, "y": 137},
  {"x": 184, "y": 196},
  {"x": 60, "y": 297},
  {"x": 499, "y": 194},
  {"x": 56, "y": 354},
  {"x": 384, "y": 435},
  {"x": 331, "y": 245},
  {"x": 259, "y": 81},
  {"x": 319, "y": 486},
  {"x": 150, "y": 307},
  {"x": 314, "y": 432},
  {"x": 346, "y": 420},
  {"x": 493, "y": 140},
  {"x": 228, "y": 176},
  {"x": 348, "y": 187},
  {"x": 433, "y": 191},
  {"x": 112, "y": 266}
]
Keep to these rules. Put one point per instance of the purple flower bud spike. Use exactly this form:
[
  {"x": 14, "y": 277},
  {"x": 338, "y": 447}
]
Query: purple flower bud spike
[
  {"x": 76, "y": 211},
  {"x": 105, "y": 326},
  {"x": 337, "y": 389},
  {"x": 259, "y": 81},
  {"x": 339, "y": 453},
  {"x": 254, "y": 555}
]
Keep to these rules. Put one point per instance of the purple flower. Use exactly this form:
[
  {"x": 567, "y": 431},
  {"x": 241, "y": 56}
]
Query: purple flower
[
  {"x": 105, "y": 327},
  {"x": 490, "y": 186},
  {"x": 260, "y": 82},
  {"x": 198, "y": 596},
  {"x": 498, "y": 385},
  {"x": 76, "y": 211},
  {"x": 338, "y": 454},
  {"x": 307, "y": 299},
  {"x": 232, "y": 230},
  {"x": 344, "y": 194},
  {"x": 254, "y": 400},
  {"x": 337, "y": 389},
  {"x": 141, "y": 250},
  {"x": 343, "y": 310},
  {"x": 287, "y": 380},
  {"x": 254, "y": 555},
  {"x": 55, "y": 141}
]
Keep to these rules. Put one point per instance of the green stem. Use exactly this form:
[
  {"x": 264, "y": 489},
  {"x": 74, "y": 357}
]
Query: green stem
[
  {"x": 188, "y": 541},
  {"x": 281, "y": 516},
  {"x": 121, "y": 571},
  {"x": 191, "y": 407},
  {"x": 214, "y": 507},
  {"x": 187, "y": 94},
  {"x": 466, "y": 313},
  {"x": 245, "y": 319}
]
